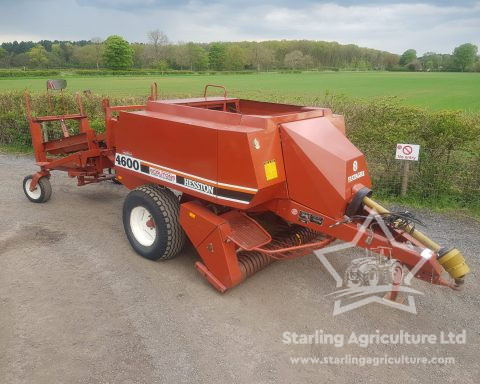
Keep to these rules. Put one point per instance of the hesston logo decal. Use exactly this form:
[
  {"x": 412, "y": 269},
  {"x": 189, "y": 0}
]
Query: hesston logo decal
[
  {"x": 168, "y": 175},
  {"x": 192, "y": 184}
]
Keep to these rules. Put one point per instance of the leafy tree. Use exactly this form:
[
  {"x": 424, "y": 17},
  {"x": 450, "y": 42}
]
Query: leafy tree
[
  {"x": 431, "y": 61},
  {"x": 261, "y": 56},
  {"x": 162, "y": 65},
  {"x": 197, "y": 56},
  {"x": 38, "y": 56},
  {"x": 294, "y": 59},
  {"x": 20, "y": 60},
  {"x": 117, "y": 54},
  {"x": 408, "y": 56},
  {"x": 465, "y": 55},
  {"x": 64, "y": 52},
  {"x": 98, "y": 44},
  {"x": 180, "y": 56},
  {"x": 86, "y": 56},
  {"x": 3, "y": 56},
  {"x": 235, "y": 58},
  {"x": 307, "y": 61},
  {"x": 415, "y": 65},
  {"x": 47, "y": 44},
  {"x": 216, "y": 56},
  {"x": 141, "y": 56}
]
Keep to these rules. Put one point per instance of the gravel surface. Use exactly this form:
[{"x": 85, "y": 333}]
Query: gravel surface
[{"x": 79, "y": 306}]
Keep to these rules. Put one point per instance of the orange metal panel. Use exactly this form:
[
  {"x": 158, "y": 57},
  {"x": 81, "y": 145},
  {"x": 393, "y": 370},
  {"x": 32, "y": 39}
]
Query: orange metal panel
[
  {"x": 182, "y": 146},
  {"x": 198, "y": 222},
  {"x": 209, "y": 233},
  {"x": 322, "y": 165}
]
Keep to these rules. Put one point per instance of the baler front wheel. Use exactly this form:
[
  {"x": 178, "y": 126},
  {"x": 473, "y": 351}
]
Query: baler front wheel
[
  {"x": 150, "y": 220},
  {"x": 41, "y": 193}
]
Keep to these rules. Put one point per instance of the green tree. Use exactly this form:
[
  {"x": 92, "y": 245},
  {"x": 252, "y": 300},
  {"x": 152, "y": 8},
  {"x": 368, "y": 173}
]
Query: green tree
[
  {"x": 3, "y": 56},
  {"x": 235, "y": 58},
  {"x": 98, "y": 44},
  {"x": 261, "y": 57},
  {"x": 118, "y": 54},
  {"x": 408, "y": 56},
  {"x": 217, "y": 54},
  {"x": 86, "y": 56},
  {"x": 38, "y": 56},
  {"x": 431, "y": 61},
  {"x": 465, "y": 55},
  {"x": 198, "y": 57},
  {"x": 294, "y": 59}
]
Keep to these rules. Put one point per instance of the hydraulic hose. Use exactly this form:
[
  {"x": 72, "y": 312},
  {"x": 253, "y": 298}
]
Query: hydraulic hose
[{"x": 451, "y": 259}]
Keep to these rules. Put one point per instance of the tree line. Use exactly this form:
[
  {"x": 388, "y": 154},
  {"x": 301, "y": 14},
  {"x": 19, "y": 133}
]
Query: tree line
[{"x": 159, "y": 53}]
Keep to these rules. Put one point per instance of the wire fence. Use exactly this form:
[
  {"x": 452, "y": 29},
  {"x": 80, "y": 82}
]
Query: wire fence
[{"x": 452, "y": 180}]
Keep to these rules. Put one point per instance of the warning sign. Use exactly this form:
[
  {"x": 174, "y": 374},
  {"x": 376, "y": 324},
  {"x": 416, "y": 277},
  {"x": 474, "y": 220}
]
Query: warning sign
[
  {"x": 270, "y": 170},
  {"x": 407, "y": 152}
]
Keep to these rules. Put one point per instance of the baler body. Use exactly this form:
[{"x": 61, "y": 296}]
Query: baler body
[
  {"x": 244, "y": 157},
  {"x": 256, "y": 181}
]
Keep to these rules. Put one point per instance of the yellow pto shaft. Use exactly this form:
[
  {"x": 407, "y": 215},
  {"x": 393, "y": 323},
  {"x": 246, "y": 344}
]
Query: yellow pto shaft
[{"x": 450, "y": 259}]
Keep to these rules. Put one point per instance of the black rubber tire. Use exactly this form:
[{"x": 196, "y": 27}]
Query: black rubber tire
[
  {"x": 45, "y": 189},
  {"x": 163, "y": 206}
]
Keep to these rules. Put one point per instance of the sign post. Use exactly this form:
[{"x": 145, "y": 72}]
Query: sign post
[{"x": 406, "y": 152}]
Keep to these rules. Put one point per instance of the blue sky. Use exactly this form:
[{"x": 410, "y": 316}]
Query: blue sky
[{"x": 389, "y": 25}]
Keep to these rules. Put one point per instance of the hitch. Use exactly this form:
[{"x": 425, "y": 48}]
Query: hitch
[{"x": 451, "y": 259}]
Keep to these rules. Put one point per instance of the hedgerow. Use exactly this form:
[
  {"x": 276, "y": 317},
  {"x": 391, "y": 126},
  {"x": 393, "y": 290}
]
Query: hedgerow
[{"x": 448, "y": 172}]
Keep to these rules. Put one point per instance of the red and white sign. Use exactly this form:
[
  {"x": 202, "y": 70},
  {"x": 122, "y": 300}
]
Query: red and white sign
[{"x": 407, "y": 152}]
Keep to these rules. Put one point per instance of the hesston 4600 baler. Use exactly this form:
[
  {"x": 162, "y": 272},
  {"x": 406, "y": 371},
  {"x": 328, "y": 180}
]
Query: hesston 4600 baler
[{"x": 255, "y": 182}]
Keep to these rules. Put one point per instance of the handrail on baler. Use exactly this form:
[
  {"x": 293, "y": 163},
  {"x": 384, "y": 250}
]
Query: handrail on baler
[
  {"x": 224, "y": 94},
  {"x": 153, "y": 91}
]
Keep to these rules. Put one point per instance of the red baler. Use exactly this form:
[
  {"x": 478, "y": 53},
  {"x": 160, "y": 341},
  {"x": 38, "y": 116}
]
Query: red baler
[{"x": 254, "y": 182}]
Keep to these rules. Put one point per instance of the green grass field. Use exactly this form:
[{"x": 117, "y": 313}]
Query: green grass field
[{"x": 434, "y": 91}]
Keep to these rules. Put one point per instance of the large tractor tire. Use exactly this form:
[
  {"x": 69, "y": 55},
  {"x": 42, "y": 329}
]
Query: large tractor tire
[{"x": 151, "y": 223}]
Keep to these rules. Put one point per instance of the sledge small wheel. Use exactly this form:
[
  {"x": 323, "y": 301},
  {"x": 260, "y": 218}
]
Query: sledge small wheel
[
  {"x": 41, "y": 193},
  {"x": 150, "y": 220}
]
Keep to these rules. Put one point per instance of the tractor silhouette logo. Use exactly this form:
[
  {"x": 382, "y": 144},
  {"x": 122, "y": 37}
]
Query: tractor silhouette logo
[
  {"x": 379, "y": 268},
  {"x": 374, "y": 278}
]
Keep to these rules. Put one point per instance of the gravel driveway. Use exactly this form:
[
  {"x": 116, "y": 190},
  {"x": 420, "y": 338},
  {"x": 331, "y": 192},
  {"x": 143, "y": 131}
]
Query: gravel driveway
[{"x": 79, "y": 306}]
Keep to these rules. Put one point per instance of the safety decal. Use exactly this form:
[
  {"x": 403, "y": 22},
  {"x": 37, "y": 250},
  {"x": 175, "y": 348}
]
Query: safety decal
[{"x": 270, "y": 170}]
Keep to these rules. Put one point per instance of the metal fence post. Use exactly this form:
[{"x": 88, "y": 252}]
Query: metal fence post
[{"x": 406, "y": 168}]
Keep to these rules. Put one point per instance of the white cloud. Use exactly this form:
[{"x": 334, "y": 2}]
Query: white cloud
[{"x": 423, "y": 25}]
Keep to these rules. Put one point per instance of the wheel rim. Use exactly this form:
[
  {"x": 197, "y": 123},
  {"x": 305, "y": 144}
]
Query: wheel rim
[
  {"x": 143, "y": 226},
  {"x": 36, "y": 193}
]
